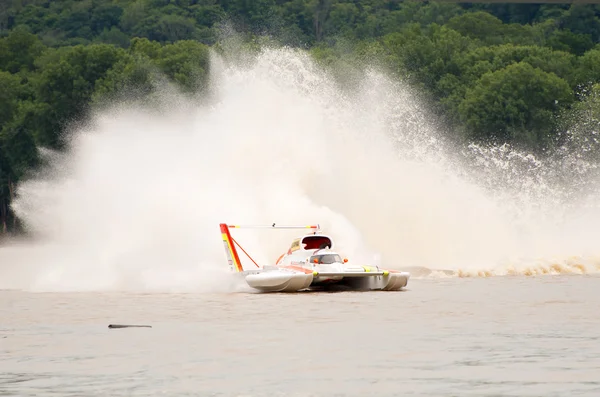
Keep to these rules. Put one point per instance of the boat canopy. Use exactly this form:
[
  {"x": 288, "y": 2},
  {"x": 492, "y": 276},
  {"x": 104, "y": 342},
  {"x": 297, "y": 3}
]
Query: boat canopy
[{"x": 316, "y": 241}]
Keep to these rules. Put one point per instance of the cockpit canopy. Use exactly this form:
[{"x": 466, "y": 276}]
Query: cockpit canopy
[
  {"x": 316, "y": 241},
  {"x": 326, "y": 259}
]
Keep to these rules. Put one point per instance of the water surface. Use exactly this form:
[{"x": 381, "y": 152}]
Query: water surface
[{"x": 498, "y": 336}]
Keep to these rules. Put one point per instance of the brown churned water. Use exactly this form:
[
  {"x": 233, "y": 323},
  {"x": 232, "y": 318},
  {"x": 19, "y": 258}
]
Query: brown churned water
[{"x": 498, "y": 336}]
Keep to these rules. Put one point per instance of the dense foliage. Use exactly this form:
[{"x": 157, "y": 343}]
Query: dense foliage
[{"x": 495, "y": 72}]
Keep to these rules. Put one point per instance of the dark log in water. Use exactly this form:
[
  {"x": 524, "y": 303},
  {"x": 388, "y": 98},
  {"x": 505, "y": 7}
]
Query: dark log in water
[{"x": 128, "y": 326}]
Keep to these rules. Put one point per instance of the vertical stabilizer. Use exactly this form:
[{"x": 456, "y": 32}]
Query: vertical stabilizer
[{"x": 232, "y": 256}]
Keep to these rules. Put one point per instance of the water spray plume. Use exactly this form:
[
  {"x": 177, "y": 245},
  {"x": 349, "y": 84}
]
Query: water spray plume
[{"x": 136, "y": 200}]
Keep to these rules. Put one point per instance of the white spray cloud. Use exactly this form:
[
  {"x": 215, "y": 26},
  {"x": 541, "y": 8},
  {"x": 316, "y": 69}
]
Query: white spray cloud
[{"x": 136, "y": 201}]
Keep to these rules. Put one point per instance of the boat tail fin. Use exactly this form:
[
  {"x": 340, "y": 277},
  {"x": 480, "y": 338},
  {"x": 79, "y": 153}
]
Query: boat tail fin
[{"x": 232, "y": 256}]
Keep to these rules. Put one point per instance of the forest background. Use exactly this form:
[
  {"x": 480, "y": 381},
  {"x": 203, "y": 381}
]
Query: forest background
[{"x": 522, "y": 74}]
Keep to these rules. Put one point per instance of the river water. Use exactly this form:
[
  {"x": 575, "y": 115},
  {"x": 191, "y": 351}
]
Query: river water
[{"x": 496, "y": 336}]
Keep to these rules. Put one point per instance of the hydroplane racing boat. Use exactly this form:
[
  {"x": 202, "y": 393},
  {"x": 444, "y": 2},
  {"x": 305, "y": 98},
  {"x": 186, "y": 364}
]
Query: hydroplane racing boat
[{"x": 310, "y": 263}]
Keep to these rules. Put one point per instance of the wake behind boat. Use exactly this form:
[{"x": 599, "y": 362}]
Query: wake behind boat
[{"x": 309, "y": 263}]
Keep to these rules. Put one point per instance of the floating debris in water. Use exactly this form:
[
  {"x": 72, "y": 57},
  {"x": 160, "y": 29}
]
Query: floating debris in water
[{"x": 128, "y": 326}]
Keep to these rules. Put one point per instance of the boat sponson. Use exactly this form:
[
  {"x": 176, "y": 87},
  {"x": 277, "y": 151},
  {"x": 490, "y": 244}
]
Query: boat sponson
[
  {"x": 275, "y": 281},
  {"x": 396, "y": 281}
]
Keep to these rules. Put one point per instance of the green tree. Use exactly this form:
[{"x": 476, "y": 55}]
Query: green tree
[
  {"x": 9, "y": 94},
  {"x": 67, "y": 81},
  {"x": 580, "y": 134},
  {"x": 185, "y": 62},
  {"x": 588, "y": 68},
  {"x": 516, "y": 103},
  {"x": 19, "y": 50}
]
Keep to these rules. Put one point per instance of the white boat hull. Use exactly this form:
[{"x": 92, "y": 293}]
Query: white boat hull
[{"x": 285, "y": 280}]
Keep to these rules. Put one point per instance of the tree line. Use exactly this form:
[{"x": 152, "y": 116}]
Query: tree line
[{"x": 502, "y": 73}]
